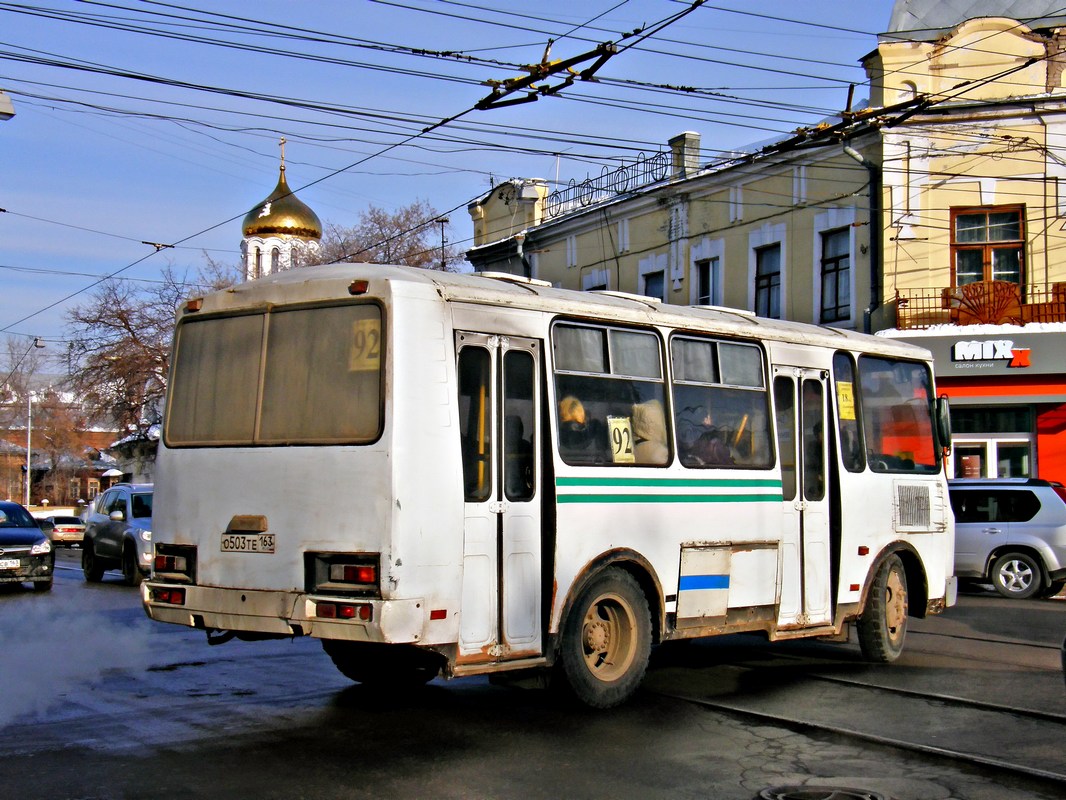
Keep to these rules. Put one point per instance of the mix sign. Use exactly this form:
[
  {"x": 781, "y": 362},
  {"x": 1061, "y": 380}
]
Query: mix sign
[{"x": 991, "y": 350}]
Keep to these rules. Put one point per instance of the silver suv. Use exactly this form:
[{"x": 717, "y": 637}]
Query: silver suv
[
  {"x": 118, "y": 533},
  {"x": 1011, "y": 532}
]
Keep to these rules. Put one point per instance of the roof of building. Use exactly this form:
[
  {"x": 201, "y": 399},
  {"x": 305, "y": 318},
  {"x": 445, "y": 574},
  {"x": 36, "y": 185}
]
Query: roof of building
[{"x": 926, "y": 20}]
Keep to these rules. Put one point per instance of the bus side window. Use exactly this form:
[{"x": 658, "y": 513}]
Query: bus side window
[{"x": 851, "y": 450}]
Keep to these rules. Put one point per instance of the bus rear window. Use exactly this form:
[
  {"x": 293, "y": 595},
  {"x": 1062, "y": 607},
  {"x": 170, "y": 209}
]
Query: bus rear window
[
  {"x": 897, "y": 422},
  {"x": 318, "y": 381}
]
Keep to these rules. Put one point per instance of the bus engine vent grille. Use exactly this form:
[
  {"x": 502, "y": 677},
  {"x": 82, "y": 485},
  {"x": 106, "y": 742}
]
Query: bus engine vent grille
[{"x": 913, "y": 507}]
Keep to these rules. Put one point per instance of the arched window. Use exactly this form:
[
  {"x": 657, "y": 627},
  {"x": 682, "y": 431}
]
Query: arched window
[
  {"x": 257, "y": 266},
  {"x": 275, "y": 260}
]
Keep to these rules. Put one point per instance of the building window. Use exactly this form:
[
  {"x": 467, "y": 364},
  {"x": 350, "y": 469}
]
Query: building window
[
  {"x": 623, "y": 236},
  {"x": 257, "y": 269},
  {"x": 709, "y": 282},
  {"x": 987, "y": 244},
  {"x": 93, "y": 488},
  {"x": 836, "y": 275},
  {"x": 655, "y": 284},
  {"x": 275, "y": 260},
  {"x": 768, "y": 281}
]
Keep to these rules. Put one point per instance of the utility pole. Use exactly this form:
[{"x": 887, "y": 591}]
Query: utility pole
[
  {"x": 29, "y": 430},
  {"x": 443, "y": 260}
]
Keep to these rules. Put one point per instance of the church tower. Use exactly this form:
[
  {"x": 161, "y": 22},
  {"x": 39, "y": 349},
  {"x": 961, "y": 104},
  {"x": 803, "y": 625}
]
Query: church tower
[{"x": 278, "y": 230}]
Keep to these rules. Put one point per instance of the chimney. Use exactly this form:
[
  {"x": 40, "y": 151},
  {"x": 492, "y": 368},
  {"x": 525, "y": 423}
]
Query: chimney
[{"x": 684, "y": 155}]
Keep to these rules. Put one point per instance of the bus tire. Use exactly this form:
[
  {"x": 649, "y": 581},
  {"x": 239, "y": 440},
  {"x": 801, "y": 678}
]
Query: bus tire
[
  {"x": 883, "y": 624},
  {"x": 392, "y": 666},
  {"x": 606, "y": 640}
]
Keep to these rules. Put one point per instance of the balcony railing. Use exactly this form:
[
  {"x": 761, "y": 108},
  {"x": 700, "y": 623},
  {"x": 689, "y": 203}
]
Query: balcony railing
[{"x": 985, "y": 302}]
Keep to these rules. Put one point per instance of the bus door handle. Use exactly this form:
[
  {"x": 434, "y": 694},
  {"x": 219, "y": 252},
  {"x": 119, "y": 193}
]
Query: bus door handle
[{"x": 497, "y": 507}]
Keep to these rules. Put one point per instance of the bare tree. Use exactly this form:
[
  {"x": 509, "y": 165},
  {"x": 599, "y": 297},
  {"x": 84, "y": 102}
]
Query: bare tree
[
  {"x": 120, "y": 346},
  {"x": 414, "y": 235}
]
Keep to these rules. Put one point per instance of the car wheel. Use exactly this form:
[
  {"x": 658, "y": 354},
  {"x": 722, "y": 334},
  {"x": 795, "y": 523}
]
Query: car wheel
[
  {"x": 43, "y": 586},
  {"x": 1016, "y": 575},
  {"x": 606, "y": 640},
  {"x": 130, "y": 571},
  {"x": 883, "y": 624},
  {"x": 90, "y": 564}
]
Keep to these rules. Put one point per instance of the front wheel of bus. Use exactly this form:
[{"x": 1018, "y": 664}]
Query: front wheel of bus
[
  {"x": 606, "y": 641},
  {"x": 883, "y": 624}
]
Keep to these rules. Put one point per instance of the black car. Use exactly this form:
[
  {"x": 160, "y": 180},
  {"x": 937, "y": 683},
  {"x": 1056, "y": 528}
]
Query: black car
[{"x": 26, "y": 553}]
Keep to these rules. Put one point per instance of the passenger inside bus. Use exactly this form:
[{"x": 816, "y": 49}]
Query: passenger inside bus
[
  {"x": 581, "y": 440},
  {"x": 649, "y": 431}
]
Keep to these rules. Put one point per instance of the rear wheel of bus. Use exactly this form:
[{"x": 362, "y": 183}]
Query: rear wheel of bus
[
  {"x": 606, "y": 640},
  {"x": 883, "y": 624},
  {"x": 396, "y": 666}
]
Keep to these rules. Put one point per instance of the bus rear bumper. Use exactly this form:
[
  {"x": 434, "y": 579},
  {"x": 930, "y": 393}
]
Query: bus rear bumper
[{"x": 282, "y": 613}]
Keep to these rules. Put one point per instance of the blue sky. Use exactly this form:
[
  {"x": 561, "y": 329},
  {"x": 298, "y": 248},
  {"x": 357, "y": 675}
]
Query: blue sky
[{"x": 113, "y": 144}]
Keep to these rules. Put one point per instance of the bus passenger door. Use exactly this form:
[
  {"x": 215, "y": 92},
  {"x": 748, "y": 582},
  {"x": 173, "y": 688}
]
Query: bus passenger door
[
  {"x": 800, "y": 411},
  {"x": 499, "y": 408}
]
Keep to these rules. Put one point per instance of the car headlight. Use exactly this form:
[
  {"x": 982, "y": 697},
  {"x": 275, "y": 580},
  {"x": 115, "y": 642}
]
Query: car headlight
[
  {"x": 41, "y": 548},
  {"x": 146, "y": 536}
]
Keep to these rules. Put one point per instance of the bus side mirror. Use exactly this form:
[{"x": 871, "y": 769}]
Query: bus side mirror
[{"x": 943, "y": 422}]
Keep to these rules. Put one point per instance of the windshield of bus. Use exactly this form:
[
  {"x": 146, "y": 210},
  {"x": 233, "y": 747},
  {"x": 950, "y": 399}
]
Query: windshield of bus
[
  {"x": 896, "y": 411},
  {"x": 302, "y": 376}
]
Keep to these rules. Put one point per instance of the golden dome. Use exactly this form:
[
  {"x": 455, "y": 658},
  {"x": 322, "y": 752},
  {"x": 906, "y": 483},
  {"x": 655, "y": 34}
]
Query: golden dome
[{"x": 282, "y": 213}]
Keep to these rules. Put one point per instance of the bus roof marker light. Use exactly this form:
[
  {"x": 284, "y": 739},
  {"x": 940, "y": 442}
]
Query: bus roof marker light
[
  {"x": 193, "y": 305},
  {"x": 358, "y": 287}
]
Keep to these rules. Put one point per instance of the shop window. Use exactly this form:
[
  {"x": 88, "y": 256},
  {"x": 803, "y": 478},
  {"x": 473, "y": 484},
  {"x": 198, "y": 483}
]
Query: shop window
[{"x": 987, "y": 244}]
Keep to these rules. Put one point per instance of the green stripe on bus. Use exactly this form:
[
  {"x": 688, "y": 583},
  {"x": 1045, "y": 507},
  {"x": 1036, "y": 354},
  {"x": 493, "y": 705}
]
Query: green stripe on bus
[
  {"x": 668, "y": 498},
  {"x": 675, "y": 483}
]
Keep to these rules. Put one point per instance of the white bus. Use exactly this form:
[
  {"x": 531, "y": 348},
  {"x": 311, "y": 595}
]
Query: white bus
[{"x": 441, "y": 474}]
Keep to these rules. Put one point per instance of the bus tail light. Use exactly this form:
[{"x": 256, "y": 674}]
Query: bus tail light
[
  {"x": 353, "y": 573},
  {"x": 332, "y": 610},
  {"x": 174, "y": 596},
  {"x": 346, "y": 574},
  {"x": 175, "y": 563}
]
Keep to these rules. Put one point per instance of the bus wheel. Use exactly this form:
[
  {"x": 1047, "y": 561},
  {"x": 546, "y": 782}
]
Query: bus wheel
[
  {"x": 394, "y": 666},
  {"x": 606, "y": 641},
  {"x": 883, "y": 624}
]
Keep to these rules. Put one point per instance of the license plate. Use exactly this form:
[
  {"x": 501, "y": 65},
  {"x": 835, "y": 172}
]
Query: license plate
[
  {"x": 247, "y": 543},
  {"x": 10, "y": 563}
]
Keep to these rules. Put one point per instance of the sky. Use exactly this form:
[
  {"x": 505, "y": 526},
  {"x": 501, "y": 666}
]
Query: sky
[{"x": 143, "y": 122}]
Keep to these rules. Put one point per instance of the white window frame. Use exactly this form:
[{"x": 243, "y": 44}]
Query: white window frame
[
  {"x": 764, "y": 236},
  {"x": 830, "y": 220},
  {"x": 654, "y": 263},
  {"x": 707, "y": 249}
]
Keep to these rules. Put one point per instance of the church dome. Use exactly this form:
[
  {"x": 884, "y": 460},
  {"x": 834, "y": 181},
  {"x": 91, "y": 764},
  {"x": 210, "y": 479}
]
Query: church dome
[{"x": 282, "y": 213}]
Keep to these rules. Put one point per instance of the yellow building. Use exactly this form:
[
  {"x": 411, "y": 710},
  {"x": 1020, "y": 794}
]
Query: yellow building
[{"x": 935, "y": 209}]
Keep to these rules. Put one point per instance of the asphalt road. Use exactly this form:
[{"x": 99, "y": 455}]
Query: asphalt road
[{"x": 97, "y": 701}]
